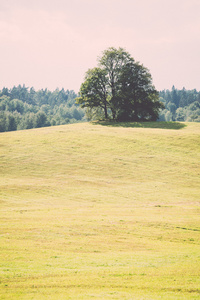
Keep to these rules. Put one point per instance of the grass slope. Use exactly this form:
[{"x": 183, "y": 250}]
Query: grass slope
[{"x": 97, "y": 212}]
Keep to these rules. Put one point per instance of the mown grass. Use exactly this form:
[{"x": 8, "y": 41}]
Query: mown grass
[{"x": 100, "y": 212}]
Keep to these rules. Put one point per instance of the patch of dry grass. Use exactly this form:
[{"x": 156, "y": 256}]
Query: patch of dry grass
[{"x": 96, "y": 212}]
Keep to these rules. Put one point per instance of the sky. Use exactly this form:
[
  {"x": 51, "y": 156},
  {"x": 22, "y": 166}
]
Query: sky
[{"x": 52, "y": 43}]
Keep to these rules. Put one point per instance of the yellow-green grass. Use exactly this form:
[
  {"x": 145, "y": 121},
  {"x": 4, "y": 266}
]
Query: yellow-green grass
[{"x": 100, "y": 212}]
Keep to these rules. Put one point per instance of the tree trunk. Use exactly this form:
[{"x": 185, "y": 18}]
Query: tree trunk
[{"x": 105, "y": 110}]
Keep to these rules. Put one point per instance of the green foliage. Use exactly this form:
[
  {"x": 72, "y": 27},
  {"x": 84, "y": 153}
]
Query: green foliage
[
  {"x": 41, "y": 120},
  {"x": 23, "y": 108},
  {"x": 121, "y": 88},
  {"x": 9, "y": 121},
  {"x": 138, "y": 100},
  {"x": 180, "y": 105},
  {"x": 94, "y": 90},
  {"x": 3, "y": 121}
]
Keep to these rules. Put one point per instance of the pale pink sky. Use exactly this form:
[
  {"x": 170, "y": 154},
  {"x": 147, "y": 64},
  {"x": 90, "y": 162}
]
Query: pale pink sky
[{"x": 52, "y": 43}]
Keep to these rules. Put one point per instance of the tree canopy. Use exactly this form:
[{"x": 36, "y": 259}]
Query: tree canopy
[
  {"x": 24, "y": 108},
  {"x": 121, "y": 88},
  {"x": 180, "y": 105}
]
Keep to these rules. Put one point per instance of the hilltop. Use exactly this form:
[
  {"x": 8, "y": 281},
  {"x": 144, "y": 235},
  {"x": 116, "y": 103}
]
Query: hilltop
[{"x": 98, "y": 211}]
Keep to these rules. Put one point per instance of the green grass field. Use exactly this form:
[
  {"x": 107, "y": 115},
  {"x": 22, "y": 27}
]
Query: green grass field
[{"x": 100, "y": 211}]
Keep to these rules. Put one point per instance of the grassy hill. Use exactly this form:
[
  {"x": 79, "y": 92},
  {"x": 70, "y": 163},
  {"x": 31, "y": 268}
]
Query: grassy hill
[{"x": 90, "y": 211}]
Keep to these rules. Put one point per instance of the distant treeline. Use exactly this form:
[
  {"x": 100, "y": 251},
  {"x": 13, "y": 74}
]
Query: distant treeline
[
  {"x": 180, "y": 105},
  {"x": 24, "y": 108}
]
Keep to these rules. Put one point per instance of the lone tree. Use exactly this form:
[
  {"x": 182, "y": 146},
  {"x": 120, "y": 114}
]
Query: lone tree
[{"x": 121, "y": 88}]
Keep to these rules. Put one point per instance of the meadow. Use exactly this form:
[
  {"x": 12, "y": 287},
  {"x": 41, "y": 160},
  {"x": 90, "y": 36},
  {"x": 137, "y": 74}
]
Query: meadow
[{"x": 92, "y": 211}]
